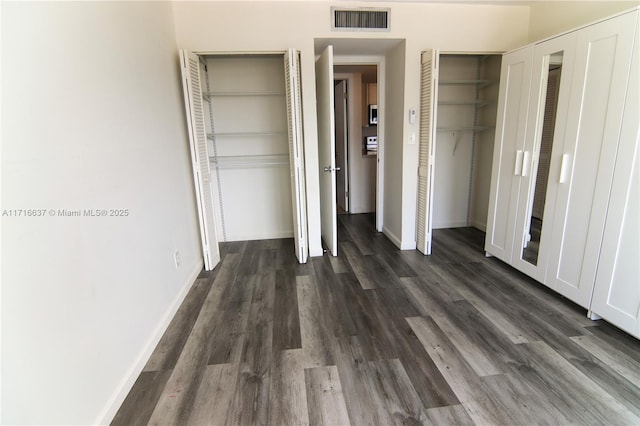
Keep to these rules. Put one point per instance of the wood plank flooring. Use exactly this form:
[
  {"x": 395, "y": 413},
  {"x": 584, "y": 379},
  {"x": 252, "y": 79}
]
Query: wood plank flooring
[{"x": 379, "y": 336}]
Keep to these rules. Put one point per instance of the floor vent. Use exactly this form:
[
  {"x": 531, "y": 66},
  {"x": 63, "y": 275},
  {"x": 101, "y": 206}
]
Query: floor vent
[{"x": 360, "y": 19}]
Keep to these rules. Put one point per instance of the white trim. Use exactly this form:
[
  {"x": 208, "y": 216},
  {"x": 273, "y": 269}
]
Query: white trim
[
  {"x": 266, "y": 236},
  {"x": 239, "y": 52},
  {"x": 408, "y": 245},
  {"x": 478, "y": 225},
  {"x": 402, "y": 245},
  {"x": 113, "y": 404},
  {"x": 452, "y": 224},
  {"x": 393, "y": 237}
]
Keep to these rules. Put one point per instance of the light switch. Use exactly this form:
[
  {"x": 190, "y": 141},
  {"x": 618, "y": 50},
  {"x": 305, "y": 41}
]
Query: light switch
[{"x": 412, "y": 115}]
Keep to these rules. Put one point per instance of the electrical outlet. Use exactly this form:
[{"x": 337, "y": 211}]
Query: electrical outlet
[{"x": 176, "y": 258}]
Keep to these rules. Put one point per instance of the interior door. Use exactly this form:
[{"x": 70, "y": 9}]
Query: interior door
[
  {"x": 327, "y": 149},
  {"x": 428, "y": 100},
  {"x": 616, "y": 295},
  {"x": 531, "y": 242},
  {"x": 342, "y": 186},
  {"x": 190, "y": 65},
  {"x": 509, "y": 152},
  {"x": 586, "y": 160},
  {"x": 296, "y": 160}
]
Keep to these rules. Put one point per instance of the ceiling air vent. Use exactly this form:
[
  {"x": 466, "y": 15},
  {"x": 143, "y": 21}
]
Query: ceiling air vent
[{"x": 360, "y": 19}]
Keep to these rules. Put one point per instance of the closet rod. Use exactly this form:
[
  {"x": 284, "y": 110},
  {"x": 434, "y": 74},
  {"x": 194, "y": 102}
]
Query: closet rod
[
  {"x": 464, "y": 129},
  {"x": 249, "y": 161},
  {"x": 232, "y": 94},
  {"x": 245, "y": 134}
]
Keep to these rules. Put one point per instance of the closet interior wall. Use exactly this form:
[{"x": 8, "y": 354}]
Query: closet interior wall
[
  {"x": 465, "y": 120},
  {"x": 246, "y": 124}
]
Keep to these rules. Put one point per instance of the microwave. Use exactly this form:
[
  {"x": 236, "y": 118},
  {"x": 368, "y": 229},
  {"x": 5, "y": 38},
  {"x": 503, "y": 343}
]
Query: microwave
[{"x": 373, "y": 114}]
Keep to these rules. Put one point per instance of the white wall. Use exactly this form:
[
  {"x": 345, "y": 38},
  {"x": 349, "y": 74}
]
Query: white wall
[
  {"x": 549, "y": 18},
  {"x": 393, "y": 143},
  {"x": 490, "y": 70},
  {"x": 452, "y": 171},
  {"x": 275, "y": 26},
  {"x": 92, "y": 118}
]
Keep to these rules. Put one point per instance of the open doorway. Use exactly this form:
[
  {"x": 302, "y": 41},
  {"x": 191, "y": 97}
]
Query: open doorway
[
  {"x": 356, "y": 118},
  {"x": 354, "y": 53},
  {"x": 342, "y": 145}
]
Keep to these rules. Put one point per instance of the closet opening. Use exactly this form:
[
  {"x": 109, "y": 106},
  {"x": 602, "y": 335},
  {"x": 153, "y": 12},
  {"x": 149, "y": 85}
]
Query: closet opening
[
  {"x": 247, "y": 137},
  {"x": 252, "y": 127},
  {"x": 356, "y": 121},
  {"x": 350, "y": 52},
  {"x": 464, "y": 96}
]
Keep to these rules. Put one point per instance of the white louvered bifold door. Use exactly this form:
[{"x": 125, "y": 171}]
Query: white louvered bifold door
[
  {"x": 428, "y": 99},
  {"x": 296, "y": 161},
  {"x": 190, "y": 66}
]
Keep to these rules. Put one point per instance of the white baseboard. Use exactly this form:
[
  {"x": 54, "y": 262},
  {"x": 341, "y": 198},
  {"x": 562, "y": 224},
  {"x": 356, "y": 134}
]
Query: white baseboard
[
  {"x": 458, "y": 224},
  {"x": 113, "y": 404},
  {"x": 408, "y": 245},
  {"x": 390, "y": 235},
  {"x": 265, "y": 236},
  {"x": 402, "y": 245},
  {"x": 479, "y": 225}
]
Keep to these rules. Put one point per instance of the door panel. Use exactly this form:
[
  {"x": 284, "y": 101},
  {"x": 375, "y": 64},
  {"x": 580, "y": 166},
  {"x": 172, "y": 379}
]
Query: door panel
[
  {"x": 428, "y": 100},
  {"x": 616, "y": 295},
  {"x": 296, "y": 161},
  {"x": 326, "y": 149},
  {"x": 603, "y": 60},
  {"x": 190, "y": 65},
  {"x": 509, "y": 152},
  {"x": 532, "y": 239}
]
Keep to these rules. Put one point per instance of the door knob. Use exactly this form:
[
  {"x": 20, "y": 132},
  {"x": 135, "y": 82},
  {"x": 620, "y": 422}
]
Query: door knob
[{"x": 329, "y": 169}]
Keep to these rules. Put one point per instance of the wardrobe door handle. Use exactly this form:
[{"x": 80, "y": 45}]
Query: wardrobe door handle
[
  {"x": 518, "y": 167},
  {"x": 564, "y": 168},
  {"x": 526, "y": 163}
]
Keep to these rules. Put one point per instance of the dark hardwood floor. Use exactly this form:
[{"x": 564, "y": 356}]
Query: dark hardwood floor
[{"x": 379, "y": 336}]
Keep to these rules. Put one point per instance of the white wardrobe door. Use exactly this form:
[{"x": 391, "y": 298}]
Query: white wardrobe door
[
  {"x": 294, "y": 121},
  {"x": 616, "y": 295},
  {"x": 428, "y": 100},
  {"x": 564, "y": 46},
  {"x": 602, "y": 66},
  {"x": 190, "y": 66},
  {"x": 508, "y": 154}
]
